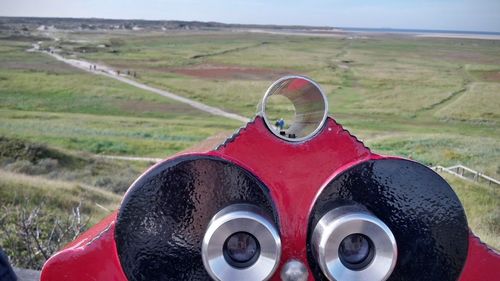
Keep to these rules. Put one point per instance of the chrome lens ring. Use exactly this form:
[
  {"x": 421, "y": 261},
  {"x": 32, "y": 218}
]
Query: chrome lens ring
[
  {"x": 309, "y": 101},
  {"x": 233, "y": 220},
  {"x": 337, "y": 224}
]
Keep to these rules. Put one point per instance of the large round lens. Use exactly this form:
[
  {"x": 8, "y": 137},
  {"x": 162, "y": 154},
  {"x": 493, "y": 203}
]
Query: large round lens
[
  {"x": 356, "y": 251},
  {"x": 241, "y": 249}
]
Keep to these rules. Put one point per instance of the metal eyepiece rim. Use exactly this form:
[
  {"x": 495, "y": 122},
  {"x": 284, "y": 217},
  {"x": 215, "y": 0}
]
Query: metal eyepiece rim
[
  {"x": 269, "y": 93},
  {"x": 340, "y": 222},
  {"x": 237, "y": 218}
]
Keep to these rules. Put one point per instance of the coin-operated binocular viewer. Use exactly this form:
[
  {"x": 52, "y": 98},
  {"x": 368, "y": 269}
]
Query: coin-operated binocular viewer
[{"x": 304, "y": 202}]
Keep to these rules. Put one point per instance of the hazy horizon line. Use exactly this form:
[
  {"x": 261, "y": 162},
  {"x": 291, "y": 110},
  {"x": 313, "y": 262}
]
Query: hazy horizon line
[{"x": 263, "y": 24}]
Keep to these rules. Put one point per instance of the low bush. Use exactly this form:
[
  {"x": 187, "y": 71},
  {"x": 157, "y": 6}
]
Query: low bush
[{"x": 30, "y": 236}]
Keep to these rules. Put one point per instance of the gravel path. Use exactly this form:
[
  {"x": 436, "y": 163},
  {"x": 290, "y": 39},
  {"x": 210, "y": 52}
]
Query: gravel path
[
  {"x": 130, "y": 158},
  {"x": 108, "y": 72}
]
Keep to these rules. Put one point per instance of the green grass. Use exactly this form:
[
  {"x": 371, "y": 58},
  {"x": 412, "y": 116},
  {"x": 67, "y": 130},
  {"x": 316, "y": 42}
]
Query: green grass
[
  {"x": 481, "y": 207},
  {"x": 75, "y": 110},
  {"x": 427, "y": 99},
  {"x": 34, "y": 206},
  {"x": 430, "y": 98},
  {"x": 482, "y": 153},
  {"x": 112, "y": 135},
  {"x": 31, "y": 158},
  {"x": 396, "y": 76},
  {"x": 434, "y": 100},
  {"x": 57, "y": 196},
  {"x": 480, "y": 95},
  {"x": 61, "y": 88}
]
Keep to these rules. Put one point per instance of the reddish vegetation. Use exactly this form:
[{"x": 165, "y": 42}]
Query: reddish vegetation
[
  {"x": 493, "y": 76},
  {"x": 210, "y": 71}
]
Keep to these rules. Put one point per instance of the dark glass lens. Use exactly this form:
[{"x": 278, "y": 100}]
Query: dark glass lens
[
  {"x": 355, "y": 249},
  {"x": 241, "y": 247}
]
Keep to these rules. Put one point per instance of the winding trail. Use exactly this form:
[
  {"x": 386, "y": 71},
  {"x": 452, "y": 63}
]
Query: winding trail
[
  {"x": 129, "y": 158},
  {"x": 108, "y": 72}
]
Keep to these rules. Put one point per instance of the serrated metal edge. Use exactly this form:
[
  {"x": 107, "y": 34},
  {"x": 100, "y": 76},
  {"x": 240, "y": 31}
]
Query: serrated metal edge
[{"x": 236, "y": 134}]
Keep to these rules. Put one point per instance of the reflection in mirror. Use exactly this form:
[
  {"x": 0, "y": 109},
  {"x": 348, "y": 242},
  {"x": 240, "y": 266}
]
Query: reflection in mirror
[{"x": 294, "y": 108}]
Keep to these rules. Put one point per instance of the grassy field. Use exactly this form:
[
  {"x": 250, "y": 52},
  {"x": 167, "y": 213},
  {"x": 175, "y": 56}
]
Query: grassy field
[
  {"x": 36, "y": 159},
  {"x": 434, "y": 100},
  {"x": 53, "y": 119},
  {"x": 402, "y": 95},
  {"x": 47, "y": 101},
  {"x": 53, "y": 211},
  {"x": 56, "y": 195},
  {"x": 481, "y": 207}
]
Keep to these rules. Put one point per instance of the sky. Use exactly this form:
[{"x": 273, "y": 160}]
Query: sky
[{"x": 467, "y": 15}]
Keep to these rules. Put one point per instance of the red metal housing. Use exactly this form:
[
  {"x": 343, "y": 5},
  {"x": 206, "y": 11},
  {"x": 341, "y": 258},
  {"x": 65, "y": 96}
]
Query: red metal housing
[{"x": 295, "y": 174}]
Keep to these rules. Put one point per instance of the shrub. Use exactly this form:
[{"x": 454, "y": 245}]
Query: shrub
[{"x": 30, "y": 236}]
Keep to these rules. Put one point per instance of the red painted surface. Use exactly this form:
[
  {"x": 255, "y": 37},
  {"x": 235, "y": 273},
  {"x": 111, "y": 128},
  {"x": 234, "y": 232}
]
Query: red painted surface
[
  {"x": 90, "y": 234},
  {"x": 93, "y": 256},
  {"x": 483, "y": 263},
  {"x": 284, "y": 167}
]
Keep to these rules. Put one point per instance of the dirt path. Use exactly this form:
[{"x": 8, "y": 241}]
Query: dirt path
[
  {"x": 108, "y": 72},
  {"x": 129, "y": 158}
]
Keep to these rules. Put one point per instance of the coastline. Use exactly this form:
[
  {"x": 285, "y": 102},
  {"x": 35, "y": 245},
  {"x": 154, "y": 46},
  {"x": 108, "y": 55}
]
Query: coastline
[
  {"x": 338, "y": 32},
  {"x": 460, "y": 36}
]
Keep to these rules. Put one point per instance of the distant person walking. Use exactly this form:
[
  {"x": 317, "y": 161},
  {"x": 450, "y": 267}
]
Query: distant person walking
[{"x": 280, "y": 124}]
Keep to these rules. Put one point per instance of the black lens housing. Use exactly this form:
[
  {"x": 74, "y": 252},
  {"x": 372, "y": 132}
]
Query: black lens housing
[
  {"x": 365, "y": 261},
  {"x": 234, "y": 262}
]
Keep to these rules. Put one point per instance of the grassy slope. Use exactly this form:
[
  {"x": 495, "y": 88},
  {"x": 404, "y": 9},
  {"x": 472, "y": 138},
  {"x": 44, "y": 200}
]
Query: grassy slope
[
  {"x": 21, "y": 195},
  {"x": 400, "y": 76},
  {"x": 75, "y": 110},
  {"x": 479, "y": 95},
  {"x": 428, "y": 98},
  {"x": 481, "y": 207},
  {"x": 421, "y": 98},
  {"x": 114, "y": 135},
  {"x": 58, "y": 196},
  {"x": 403, "y": 96},
  {"x": 30, "y": 158}
]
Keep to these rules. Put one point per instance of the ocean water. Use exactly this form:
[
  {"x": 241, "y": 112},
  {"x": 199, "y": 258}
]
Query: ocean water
[{"x": 414, "y": 31}]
